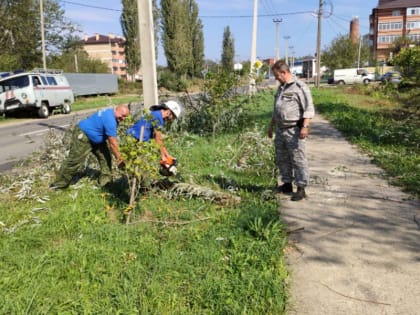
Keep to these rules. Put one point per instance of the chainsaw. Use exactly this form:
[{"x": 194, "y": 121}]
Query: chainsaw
[{"x": 168, "y": 166}]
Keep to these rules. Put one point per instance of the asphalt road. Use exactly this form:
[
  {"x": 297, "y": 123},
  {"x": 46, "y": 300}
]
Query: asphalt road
[{"x": 19, "y": 138}]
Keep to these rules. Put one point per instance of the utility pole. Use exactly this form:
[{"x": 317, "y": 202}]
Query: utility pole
[
  {"x": 41, "y": 12},
  {"x": 318, "y": 46},
  {"x": 286, "y": 57},
  {"x": 290, "y": 53},
  {"x": 253, "y": 50},
  {"x": 147, "y": 48},
  {"x": 76, "y": 63},
  {"x": 277, "y": 21}
]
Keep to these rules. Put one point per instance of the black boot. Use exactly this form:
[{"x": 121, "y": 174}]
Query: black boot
[
  {"x": 286, "y": 188},
  {"x": 299, "y": 195}
]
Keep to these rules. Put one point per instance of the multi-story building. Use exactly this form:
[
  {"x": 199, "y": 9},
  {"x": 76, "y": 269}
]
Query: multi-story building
[
  {"x": 390, "y": 20},
  {"x": 109, "y": 50}
]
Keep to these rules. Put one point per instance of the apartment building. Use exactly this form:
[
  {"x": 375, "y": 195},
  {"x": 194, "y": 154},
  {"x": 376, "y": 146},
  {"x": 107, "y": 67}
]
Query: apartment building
[
  {"x": 110, "y": 50},
  {"x": 390, "y": 20}
]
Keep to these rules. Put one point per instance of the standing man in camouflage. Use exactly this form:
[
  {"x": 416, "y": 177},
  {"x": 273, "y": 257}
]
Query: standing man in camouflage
[
  {"x": 293, "y": 111},
  {"x": 96, "y": 134}
]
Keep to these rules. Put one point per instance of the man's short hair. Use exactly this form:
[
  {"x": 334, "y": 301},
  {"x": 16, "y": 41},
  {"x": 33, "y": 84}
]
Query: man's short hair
[{"x": 280, "y": 66}]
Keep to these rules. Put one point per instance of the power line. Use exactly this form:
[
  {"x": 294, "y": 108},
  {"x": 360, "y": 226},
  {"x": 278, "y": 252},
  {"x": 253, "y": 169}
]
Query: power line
[
  {"x": 201, "y": 16},
  {"x": 89, "y": 6},
  {"x": 340, "y": 25},
  {"x": 348, "y": 20},
  {"x": 260, "y": 15},
  {"x": 269, "y": 5}
]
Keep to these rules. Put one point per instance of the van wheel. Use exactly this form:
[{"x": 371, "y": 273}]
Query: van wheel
[
  {"x": 43, "y": 111},
  {"x": 366, "y": 81},
  {"x": 341, "y": 82},
  {"x": 66, "y": 109}
]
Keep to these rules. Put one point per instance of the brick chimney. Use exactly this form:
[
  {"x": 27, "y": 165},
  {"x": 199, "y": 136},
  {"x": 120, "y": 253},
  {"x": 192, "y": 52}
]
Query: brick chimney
[{"x": 354, "y": 30}]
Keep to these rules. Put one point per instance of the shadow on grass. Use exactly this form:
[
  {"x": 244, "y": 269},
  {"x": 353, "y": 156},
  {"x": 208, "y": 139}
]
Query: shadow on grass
[{"x": 230, "y": 184}]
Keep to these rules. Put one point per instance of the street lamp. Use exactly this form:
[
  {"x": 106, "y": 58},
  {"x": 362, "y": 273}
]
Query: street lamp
[
  {"x": 290, "y": 49},
  {"x": 285, "y": 54},
  {"x": 277, "y": 21}
]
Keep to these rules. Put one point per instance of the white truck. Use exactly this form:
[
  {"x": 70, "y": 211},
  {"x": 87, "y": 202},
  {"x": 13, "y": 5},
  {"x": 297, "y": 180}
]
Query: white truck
[
  {"x": 39, "y": 90},
  {"x": 353, "y": 75}
]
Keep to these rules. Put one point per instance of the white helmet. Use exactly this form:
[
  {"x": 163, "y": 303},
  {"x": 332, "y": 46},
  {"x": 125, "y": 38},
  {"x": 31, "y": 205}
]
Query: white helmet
[{"x": 174, "y": 107}]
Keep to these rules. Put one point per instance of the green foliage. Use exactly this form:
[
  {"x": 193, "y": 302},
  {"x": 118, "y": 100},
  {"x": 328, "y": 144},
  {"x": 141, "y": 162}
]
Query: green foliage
[
  {"x": 74, "y": 53},
  {"x": 170, "y": 81},
  {"x": 228, "y": 50},
  {"x": 130, "y": 25},
  {"x": 343, "y": 53},
  {"x": 69, "y": 254},
  {"x": 408, "y": 59},
  {"x": 9, "y": 62},
  {"x": 175, "y": 36},
  {"x": 21, "y": 36},
  {"x": 219, "y": 107},
  {"x": 141, "y": 158},
  {"x": 197, "y": 39},
  {"x": 182, "y": 37}
]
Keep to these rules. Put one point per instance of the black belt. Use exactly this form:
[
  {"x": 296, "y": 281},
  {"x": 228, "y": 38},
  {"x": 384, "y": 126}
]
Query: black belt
[{"x": 288, "y": 127}]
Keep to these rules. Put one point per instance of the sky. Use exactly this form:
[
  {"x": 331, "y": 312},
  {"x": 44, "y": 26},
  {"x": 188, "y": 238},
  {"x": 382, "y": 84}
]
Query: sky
[{"x": 297, "y": 31}]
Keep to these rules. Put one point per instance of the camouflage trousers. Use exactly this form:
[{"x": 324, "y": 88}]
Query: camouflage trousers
[
  {"x": 80, "y": 148},
  {"x": 291, "y": 156}
]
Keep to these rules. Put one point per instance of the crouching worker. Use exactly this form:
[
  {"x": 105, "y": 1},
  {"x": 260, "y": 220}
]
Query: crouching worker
[
  {"x": 160, "y": 114},
  {"x": 95, "y": 134}
]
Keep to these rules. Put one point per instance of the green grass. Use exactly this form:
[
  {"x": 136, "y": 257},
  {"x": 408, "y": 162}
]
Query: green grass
[
  {"x": 101, "y": 101},
  {"x": 67, "y": 252},
  {"x": 387, "y": 130}
]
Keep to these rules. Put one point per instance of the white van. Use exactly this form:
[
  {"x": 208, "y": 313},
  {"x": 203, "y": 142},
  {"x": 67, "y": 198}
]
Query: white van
[
  {"x": 37, "y": 90},
  {"x": 353, "y": 75}
]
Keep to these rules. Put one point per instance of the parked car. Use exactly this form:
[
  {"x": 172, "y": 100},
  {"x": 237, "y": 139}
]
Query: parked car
[
  {"x": 353, "y": 75},
  {"x": 39, "y": 90},
  {"x": 392, "y": 77}
]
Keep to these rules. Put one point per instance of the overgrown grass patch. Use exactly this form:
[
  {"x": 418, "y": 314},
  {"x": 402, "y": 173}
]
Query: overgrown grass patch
[
  {"x": 68, "y": 252},
  {"x": 389, "y": 134}
]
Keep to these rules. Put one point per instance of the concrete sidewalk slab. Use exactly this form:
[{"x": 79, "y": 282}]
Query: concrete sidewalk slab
[{"x": 354, "y": 246}]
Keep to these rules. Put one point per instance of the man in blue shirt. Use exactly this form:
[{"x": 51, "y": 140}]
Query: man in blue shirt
[
  {"x": 152, "y": 126},
  {"x": 93, "y": 135}
]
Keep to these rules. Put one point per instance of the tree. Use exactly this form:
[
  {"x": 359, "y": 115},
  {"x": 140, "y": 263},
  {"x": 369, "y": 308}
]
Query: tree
[
  {"x": 343, "y": 53},
  {"x": 400, "y": 43},
  {"x": 19, "y": 41},
  {"x": 182, "y": 36},
  {"x": 408, "y": 59},
  {"x": 197, "y": 40},
  {"x": 228, "y": 50},
  {"x": 175, "y": 36},
  {"x": 130, "y": 27},
  {"x": 20, "y": 35}
]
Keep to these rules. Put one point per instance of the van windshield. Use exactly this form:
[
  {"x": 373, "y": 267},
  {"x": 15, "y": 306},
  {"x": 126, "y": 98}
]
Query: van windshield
[{"x": 14, "y": 83}]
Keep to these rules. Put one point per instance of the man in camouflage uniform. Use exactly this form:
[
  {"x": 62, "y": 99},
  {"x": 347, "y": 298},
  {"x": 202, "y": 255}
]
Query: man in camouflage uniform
[
  {"x": 96, "y": 134},
  {"x": 293, "y": 111}
]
